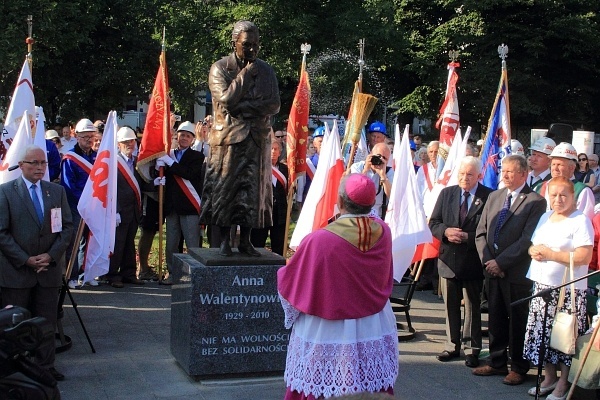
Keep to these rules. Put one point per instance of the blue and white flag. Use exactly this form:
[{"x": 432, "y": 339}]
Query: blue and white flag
[{"x": 496, "y": 145}]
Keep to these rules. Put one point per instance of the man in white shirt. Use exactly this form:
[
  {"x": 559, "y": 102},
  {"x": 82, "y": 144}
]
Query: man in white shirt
[
  {"x": 67, "y": 140},
  {"x": 427, "y": 174},
  {"x": 375, "y": 168}
]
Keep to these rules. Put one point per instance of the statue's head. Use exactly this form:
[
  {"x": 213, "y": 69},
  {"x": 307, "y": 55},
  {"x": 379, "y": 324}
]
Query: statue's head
[{"x": 245, "y": 40}]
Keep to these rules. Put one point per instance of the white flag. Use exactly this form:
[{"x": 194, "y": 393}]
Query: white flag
[
  {"x": 22, "y": 100},
  {"x": 21, "y": 140},
  {"x": 445, "y": 174},
  {"x": 321, "y": 199},
  {"x": 405, "y": 215},
  {"x": 98, "y": 203},
  {"x": 39, "y": 138}
]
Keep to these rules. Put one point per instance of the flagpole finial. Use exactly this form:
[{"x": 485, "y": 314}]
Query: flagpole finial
[
  {"x": 453, "y": 55},
  {"x": 503, "y": 51},
  {"x": 361, "y": 61},
  {"x": 29, "y": 39},
  {"x": 304, "y": 49}
]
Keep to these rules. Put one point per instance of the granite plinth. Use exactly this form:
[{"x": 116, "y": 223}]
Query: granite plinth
[{"x": 226, "y": 317}]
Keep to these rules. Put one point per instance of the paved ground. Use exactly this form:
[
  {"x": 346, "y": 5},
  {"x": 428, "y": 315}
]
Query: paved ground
[{"x": 130, "y": 330}]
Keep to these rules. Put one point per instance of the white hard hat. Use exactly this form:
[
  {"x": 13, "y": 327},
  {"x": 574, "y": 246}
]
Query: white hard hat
[
  {"x": 125, "y": 133},
  {"x": 565, "y": 150},
  {"x": 51, "y": 134},
  {"x": 188, "y": 127},
  {"x": 85, "y": 125},
  {"x": 543, "y": 145},
  {"x": 517, "y": 147}
]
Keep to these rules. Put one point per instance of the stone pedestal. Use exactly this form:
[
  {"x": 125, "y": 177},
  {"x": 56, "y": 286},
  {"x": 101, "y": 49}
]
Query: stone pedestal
[{"x": 226, "y": 317}]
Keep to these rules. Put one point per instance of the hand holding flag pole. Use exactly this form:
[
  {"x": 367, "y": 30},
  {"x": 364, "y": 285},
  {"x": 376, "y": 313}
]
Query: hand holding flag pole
[{"x": 166, "y": 143}]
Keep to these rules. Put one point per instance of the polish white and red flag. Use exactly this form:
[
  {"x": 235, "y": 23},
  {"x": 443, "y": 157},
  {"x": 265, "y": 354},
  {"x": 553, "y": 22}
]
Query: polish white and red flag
[
  {"x": 22, "y": 100},
  {"x": 321, "y": 199},
  {"x": 98, "y": 203},
  {"x": 405, "y": 215},
  {"x": 21, "y": 140}
]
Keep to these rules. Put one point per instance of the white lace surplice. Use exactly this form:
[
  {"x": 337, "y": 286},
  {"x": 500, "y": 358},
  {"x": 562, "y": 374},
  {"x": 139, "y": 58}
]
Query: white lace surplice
[{"x": 336, "y": 357}]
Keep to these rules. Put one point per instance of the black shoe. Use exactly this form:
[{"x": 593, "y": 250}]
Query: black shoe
[
  {"x": 117, "y": 284},
  {"x": 248, "y": 249},
  {"x": 445, "y": 355},
  {"x": 471, "y": 361},
  {"x": 55, "y": 374}
]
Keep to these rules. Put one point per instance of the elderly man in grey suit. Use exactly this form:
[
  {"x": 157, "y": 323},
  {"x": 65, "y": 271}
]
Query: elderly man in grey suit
[
  {"x": 35, "y": 229},
  {"x": 454, "y": 221},
  {"x": 503, "y": 238}
]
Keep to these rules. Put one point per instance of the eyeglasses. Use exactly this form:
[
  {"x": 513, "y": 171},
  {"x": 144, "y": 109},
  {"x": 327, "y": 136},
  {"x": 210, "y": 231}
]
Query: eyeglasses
[
  {"x": 583, "y": 159},
  {"x": 85, "y": 137},
  {"x": 36, "y": 163},
  {"x": 279, "y": 136}
]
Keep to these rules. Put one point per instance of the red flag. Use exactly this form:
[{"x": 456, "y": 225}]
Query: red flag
[
  {"x": 425, "y": 251},
  {"x": 449, "y": 117},
  {"x": 156, "y": 140},
  {"x": 297, "y": 129}
]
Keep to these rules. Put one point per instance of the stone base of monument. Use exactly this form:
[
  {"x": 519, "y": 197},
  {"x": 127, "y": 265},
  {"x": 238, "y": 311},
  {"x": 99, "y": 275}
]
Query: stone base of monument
[{"x": 226, "y": 317}]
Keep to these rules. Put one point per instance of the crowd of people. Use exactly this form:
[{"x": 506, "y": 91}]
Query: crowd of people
[{"x": 497, "y": 245}]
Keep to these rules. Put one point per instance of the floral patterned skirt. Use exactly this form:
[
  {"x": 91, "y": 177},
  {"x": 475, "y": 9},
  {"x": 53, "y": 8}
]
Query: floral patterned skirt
[{"x": 533, "y": 335}]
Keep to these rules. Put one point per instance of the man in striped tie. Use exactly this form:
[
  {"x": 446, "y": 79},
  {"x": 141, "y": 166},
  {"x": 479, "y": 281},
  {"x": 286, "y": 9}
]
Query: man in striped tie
[{"x": 502, "y": 238}]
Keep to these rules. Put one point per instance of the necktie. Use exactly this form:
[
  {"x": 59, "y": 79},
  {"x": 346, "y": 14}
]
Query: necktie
[
  {"x": 464, "y": 208},
  {"x": 178, "y": 154},
  {"x": 532, "y": 181},
  {"x": 502, "y": 216},
  {"x": 36, "y": 204},
  {"x": 130, "y": 164}
]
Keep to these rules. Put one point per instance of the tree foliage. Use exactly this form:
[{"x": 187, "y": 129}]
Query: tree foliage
[{"x": 90, "y": 57}]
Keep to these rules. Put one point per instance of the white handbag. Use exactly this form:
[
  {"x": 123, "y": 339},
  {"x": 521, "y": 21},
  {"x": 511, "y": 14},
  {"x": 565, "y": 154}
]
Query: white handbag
[{"x": 564, "y": 327}]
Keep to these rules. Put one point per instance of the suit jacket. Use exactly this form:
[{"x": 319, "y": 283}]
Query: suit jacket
[
  {"x": 243, "y": 103},
  {"x": 280, "y": 198},
  {"x": 127, "y": 204},
  {"x": 458, "y": 260},
  {"x": 190, "y": 168},
  {"x": 22, "y": 236},
  {"x": 511, "y": 249}
]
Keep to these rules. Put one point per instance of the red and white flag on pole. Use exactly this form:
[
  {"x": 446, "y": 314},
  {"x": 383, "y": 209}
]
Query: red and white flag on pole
[
  {"x": 156, "y": 140},
  {"x": 22, "y": 100},
  {"x": 321, "y": 199},
  {"x": 21, "y": 140},
  {"x": 449, "y": 120},
  {"x": 98, "y": 203},
  {"x": 405, "y": 215}
]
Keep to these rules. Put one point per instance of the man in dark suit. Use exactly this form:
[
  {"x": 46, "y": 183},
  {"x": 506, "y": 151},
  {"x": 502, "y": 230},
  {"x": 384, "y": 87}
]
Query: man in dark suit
[
  {"x": 503, "y": 238},
  {"x": 454, "y": 222},
  {"x": 182, "y": 196},
  {"x": 277, "y": 232},
  {"x": 35, "y": 230},
  {"x": 122, "y": 267}
]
